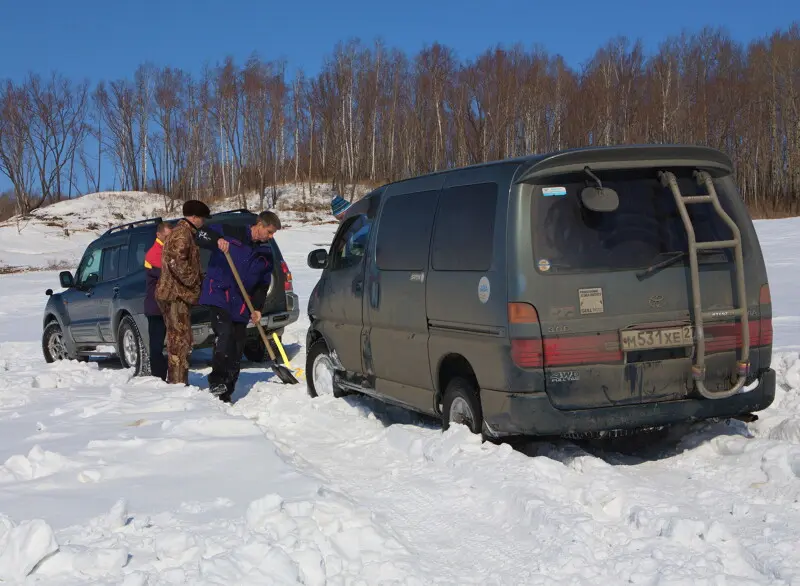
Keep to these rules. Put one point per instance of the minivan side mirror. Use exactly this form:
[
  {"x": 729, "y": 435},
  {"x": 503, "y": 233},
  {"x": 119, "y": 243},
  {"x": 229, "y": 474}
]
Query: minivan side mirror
[
  {"x": 66, "y": 279},
  {"x": 318, "y": 259},
  {"x": 599, "y": 199}
]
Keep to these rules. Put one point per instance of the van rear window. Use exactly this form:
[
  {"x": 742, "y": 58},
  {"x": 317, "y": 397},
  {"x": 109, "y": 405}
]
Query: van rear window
[{"x": 570, "y": 238}]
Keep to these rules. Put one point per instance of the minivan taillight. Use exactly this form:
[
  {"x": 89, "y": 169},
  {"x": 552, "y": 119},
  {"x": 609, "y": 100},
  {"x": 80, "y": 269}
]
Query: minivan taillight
[
  {"x": 526, "y": 353},
  {"x": 556, "y": 351},
  {"x": 765, "y": 300},
  {"x": 287, "y": 277}
]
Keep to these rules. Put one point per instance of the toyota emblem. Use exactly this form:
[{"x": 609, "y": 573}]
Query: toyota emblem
[{"x": 656, "y": 301}]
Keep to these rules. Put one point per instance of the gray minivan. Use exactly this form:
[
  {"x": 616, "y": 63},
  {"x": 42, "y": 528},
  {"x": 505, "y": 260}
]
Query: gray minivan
[{"x": 582, "y": 291}]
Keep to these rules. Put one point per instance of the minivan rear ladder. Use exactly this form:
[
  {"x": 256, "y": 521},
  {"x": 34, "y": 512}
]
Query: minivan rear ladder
[{"x": 699, "y": 366}]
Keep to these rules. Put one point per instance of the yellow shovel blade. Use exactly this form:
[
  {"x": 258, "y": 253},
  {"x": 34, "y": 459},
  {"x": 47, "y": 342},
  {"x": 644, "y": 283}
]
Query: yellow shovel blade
[{"x": 298, "y": 372}]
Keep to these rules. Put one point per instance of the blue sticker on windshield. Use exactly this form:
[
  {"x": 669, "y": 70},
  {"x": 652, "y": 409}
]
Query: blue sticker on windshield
[{"x": 553, "y": 191}]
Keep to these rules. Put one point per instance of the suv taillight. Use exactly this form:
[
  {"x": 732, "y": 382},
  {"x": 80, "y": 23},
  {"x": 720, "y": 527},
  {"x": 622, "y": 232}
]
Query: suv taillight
[{"x": 287, "y": 277}]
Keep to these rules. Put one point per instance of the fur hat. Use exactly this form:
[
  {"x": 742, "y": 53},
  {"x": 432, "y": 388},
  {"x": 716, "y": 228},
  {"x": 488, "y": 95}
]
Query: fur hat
[{"x": 194, "y": 207}]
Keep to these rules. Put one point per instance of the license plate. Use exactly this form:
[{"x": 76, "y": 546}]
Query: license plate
[{"x": 661, "y": 338}]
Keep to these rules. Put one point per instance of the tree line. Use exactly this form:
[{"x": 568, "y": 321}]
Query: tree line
[{"x": 374, "y": 114}]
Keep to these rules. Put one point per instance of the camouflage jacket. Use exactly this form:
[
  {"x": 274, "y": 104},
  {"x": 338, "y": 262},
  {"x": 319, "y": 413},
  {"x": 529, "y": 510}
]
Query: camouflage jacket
[{"x": 181, "y": 274}]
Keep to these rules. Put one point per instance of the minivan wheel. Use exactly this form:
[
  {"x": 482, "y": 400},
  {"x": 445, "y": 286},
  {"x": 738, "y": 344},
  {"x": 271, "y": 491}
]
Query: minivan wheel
[
  {"x": 320, "y": 372},
  {"x": 461, "y": 405},
  {"x": 131, "y": 348},
  {"x": 54, "y": 346}
]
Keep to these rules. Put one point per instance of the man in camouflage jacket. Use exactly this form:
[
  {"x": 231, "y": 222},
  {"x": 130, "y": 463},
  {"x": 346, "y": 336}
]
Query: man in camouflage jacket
[{"x": 179, "y": 288}]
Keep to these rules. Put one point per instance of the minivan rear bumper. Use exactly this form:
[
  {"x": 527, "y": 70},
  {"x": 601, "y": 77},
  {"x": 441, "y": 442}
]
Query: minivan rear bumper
[{"x": 508, "y": 414}]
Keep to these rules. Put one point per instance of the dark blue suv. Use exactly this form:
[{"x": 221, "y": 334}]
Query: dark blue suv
[{"x": 103, "y": 304}]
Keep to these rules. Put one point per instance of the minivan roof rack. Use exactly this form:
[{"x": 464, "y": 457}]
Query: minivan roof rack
[{"x": 130, "y": 225}]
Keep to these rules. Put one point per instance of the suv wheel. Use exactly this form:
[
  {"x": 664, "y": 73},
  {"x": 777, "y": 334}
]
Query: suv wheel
[
  {"x": 131, "y": 348},
  {"x": 461, "y": 405},
  {"x": 320, "y": 371},
  {"x": 54, "y": 346},
  {"x": 255, "y": 351}
]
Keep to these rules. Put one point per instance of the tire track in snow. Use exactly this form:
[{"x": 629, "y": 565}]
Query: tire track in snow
[{"x": 511, "y": 518}]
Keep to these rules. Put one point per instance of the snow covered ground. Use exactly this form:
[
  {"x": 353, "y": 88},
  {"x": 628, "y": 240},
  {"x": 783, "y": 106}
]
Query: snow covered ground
[
  {"x": 108, "y": 479},
  {"x": 56, "y": 236}
]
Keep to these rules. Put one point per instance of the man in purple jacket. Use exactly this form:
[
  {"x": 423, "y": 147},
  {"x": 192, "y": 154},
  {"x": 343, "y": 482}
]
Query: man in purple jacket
[
  {"x": 251, "y": 253},
  {"x": 157, "y": 331}
]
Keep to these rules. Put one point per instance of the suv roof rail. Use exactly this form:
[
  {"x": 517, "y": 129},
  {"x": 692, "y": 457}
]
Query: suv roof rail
[
  {"x": 236, "y": 211},
  {"x": 130, "y": 225}
]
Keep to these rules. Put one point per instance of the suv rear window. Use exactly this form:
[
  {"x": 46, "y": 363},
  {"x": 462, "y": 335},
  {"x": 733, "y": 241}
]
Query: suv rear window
[{"x": 567, "y": 237}]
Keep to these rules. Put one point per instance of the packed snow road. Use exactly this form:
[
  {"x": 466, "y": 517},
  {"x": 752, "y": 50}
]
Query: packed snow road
[{"x": 135, "y": 480}]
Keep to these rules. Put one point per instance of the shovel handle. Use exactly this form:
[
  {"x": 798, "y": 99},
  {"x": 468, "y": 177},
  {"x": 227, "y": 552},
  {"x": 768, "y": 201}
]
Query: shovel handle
[{"x": 249, "y": 305}]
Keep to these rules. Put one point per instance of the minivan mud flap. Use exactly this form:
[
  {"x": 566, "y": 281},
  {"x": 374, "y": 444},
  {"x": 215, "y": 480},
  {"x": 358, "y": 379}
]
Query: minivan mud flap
[{"x": 740, "y": 310}]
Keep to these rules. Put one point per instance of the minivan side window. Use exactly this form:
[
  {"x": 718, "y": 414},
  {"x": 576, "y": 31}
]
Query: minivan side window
[
  {"x": 463, "y": 238},
  {"x": 404, "y": 232},
  {"x": 350, "y": 247}
]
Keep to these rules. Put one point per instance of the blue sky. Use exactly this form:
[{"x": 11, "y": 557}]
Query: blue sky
[
  {"x": 108, "y": 39},
  {"x": 102, "y": 39}
]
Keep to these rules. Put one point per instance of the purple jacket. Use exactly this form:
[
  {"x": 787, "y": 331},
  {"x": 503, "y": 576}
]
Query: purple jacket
[{"x": 253, "y": 261}]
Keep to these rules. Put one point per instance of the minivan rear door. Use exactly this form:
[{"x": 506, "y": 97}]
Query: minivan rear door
[{"x": 614, "y": 290}]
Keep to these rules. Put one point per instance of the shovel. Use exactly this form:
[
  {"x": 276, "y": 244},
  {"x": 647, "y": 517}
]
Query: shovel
[{"x": 281, "y": 371}]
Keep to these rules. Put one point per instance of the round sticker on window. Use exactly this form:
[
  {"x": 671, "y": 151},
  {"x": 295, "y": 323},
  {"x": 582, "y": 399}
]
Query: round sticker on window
[
  {"x": 484, "y": 290},
  {"x": 544, "y": 265}
]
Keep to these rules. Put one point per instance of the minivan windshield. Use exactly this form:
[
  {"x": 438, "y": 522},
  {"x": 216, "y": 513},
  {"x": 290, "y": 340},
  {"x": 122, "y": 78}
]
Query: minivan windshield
[{"x": 646, "y": 227}]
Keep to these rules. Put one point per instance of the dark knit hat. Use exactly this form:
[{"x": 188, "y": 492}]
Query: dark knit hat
[
  {"x": 339, "y": 205},
  {"x": 194, "y": 207}
]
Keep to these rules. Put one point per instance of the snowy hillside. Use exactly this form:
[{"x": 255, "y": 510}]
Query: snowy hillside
[
  {"x": 108, "y": 479},
  {"x": 55, "y": 237}
]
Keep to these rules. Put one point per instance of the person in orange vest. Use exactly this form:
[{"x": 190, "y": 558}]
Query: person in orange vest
[{"x": 156, "y": 327}]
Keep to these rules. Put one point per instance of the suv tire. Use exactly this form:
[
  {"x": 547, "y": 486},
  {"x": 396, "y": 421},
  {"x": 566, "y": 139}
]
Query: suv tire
[
  {"x": 53, "y": 346},
  {"x": 131, "y": 348},
  {"x": 255, "y": 351},
  {"x": 462, "y": 405},
  {"x": 320, "y": 371}
]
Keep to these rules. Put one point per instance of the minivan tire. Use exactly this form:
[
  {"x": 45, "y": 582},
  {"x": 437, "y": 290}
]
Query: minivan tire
[
  {"x": 318, "y": 360},
  {"x": 462, "y": 405},
  {"x": 54, "y": 347},
  {"x": 131, "y": 348}
]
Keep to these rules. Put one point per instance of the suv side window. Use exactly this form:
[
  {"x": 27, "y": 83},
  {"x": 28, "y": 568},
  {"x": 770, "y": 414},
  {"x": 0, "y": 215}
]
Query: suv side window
[
  {"x": 139, "y": 245},
  {"x": 110, "y": 265},
  {"x": 351, "y": 245},
  {"x": 463, "y": 238},
  {"x": 114, "y": 263},
  {"x": 404, "y": 233},
  {"x": 90, "y": 266}
]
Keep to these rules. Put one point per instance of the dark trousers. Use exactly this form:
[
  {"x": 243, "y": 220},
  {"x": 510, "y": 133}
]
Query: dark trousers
[
  {"x": 229, "y": 339},
  {"x": 158, "y": 333}
]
